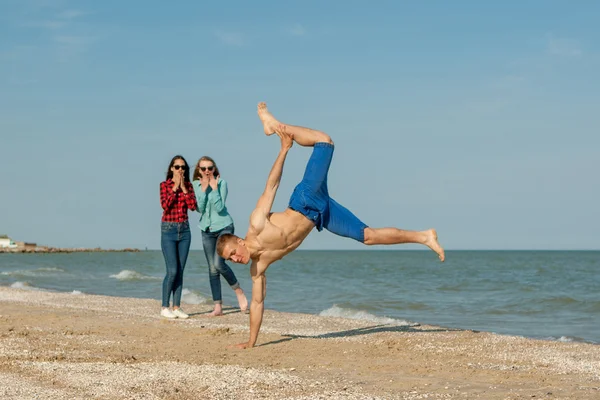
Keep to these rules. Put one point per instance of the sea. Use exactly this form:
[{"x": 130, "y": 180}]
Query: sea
[{"x": 551, "y": 295}]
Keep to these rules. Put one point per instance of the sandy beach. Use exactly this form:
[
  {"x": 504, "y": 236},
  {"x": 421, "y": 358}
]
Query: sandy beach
[{"x": 78, "y": 346}]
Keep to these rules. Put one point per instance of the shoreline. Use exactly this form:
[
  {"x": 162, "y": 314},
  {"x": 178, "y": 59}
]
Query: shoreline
[
  {"x": 62, "y": 345},
  {"x": 54, "y": 250},
  {"x": 376, "y": 319}
]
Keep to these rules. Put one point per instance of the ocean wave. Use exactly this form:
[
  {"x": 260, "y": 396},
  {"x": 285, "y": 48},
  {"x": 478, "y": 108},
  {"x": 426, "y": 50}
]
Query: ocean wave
[
  {"x": 340, "y": 312},
  {"x": 569, "y": 339},
  {"x": 44, "y": 271},
  {"x": 592, "y": 307},
  {"x": 566, "y": 302},
  {"x": 129, "y": 275},
  {"x": 514, "y": 310},
  {"x": 459, "y": 287},
  {"x": 25, "y": 286},
  {"x": 192, "y": 297},
  {"x": 559, "y": 300},
  {"x": 76, "y": 292},
  {"x": 566, "y": 339}
]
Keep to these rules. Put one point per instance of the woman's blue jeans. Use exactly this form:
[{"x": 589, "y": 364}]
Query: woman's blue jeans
[
  {"x": 175, "y": 240},
  {"x": 216, "y": 263}
]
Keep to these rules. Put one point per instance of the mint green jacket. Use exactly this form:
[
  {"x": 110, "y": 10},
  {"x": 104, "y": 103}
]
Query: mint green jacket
[{"x": 211, "y": 206}]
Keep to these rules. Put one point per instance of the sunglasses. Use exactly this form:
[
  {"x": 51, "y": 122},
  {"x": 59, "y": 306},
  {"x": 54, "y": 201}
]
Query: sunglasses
[
  {"x": 207, "y": 168},
  {"x": 177, "y": 167}
]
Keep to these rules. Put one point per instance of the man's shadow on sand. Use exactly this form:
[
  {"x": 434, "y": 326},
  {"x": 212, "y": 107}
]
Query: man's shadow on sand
[{"x": 369, "y": 330}]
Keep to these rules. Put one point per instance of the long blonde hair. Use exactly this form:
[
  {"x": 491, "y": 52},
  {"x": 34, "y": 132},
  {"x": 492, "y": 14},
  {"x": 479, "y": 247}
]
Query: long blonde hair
[{"x": 197, "y": 169}]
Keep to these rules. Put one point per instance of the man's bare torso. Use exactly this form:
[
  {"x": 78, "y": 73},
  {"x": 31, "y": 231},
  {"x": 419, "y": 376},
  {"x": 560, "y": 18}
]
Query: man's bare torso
[{"x": 281, "y": 234}]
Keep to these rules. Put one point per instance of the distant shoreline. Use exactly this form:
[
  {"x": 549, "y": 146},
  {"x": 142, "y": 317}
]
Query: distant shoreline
[{"x": 48, "y": 250}]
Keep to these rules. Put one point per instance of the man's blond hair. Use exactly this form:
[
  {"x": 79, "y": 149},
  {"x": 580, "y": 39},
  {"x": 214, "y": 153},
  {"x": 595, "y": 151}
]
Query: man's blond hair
[{"x": 223, "y": 241}]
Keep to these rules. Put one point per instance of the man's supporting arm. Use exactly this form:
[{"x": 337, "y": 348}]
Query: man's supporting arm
[{"x": 257, "y": 305}]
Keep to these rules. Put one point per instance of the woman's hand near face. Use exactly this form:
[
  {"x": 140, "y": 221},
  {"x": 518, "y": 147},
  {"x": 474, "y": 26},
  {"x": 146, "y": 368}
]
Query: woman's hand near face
[
  {"x": 213, "y": 182},
  {"x": 182, "y": 182},
  {"x": 176, "y": 180}
]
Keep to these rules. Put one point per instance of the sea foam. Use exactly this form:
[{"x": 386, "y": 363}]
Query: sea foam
[
  {"x": 192, "y": 297},
  {"x": 129, "y": 275},
  {"x": 24, "y": 285},
  {"x": 337, "y": 311},
  {"x": 44, "y": 271}
]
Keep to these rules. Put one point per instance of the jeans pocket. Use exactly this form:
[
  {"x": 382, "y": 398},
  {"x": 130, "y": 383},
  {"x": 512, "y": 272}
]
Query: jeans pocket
[{"x": 184, "y": 226}]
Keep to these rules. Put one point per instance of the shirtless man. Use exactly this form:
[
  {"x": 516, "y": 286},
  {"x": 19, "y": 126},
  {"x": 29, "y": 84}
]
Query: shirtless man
[{"x": 273, "y": 235}]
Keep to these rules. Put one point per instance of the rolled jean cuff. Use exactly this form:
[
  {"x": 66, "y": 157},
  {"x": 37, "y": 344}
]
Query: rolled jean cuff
[
  {"x": 235, "y": 286},
  {"x": 217, "y": 301}
]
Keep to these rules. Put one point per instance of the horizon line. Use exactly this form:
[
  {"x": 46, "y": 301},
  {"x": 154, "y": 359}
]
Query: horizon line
[{"x": 424, "y": 250}]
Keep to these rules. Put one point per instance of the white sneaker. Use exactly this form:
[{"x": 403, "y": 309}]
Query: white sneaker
[
  {"x": 180, "y": 314},
  {"x": 165, "y": 312}
]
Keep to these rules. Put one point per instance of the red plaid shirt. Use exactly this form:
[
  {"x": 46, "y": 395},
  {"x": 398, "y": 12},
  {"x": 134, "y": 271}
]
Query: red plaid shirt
[{"x": 176, "y": 204}]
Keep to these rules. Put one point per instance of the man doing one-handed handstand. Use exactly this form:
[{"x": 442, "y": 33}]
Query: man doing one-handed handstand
[{"x": 273, "y": 235}]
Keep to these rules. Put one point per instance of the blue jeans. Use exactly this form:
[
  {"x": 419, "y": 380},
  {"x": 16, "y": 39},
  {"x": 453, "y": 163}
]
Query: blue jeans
[
  {"x": 311, "y": 198},
  {"x": 175, "y": 240},
  {"x": 216, "y": 263}
]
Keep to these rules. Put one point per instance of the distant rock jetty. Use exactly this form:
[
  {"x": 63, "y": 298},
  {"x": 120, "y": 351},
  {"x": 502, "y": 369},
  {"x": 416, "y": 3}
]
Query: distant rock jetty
[
  {"x": 46, "y": 249},
  {"x": 7, "y": 245}
]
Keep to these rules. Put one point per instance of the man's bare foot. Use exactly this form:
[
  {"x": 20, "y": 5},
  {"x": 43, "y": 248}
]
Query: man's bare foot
[
  {"x": 242, "y": 300},
  {"x": 268, "y": 120},
  {"x": 432, "y": 243}
]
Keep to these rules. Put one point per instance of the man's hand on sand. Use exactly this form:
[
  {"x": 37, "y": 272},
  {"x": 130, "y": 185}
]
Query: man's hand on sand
[
  {"x": 287, "y": 140},
  {"x": 244, "y": 345}
]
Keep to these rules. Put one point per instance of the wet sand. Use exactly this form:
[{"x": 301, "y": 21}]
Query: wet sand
[{"x": 74, "y": 346}]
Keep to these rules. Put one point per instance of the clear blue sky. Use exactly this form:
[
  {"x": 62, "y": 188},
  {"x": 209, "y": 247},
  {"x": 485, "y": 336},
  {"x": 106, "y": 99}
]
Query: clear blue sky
[{"x": 480, "y": 119}]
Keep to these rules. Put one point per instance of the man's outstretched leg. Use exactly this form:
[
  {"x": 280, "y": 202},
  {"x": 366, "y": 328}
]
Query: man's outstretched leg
[
  {"x": 428, "y": 238},
  {"x": 343, "y": 222},
  {"x": 303, "y": 136}
]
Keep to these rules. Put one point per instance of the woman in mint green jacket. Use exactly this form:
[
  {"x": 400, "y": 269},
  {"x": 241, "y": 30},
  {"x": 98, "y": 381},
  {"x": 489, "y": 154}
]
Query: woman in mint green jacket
[{"x": 211, "y": 194}]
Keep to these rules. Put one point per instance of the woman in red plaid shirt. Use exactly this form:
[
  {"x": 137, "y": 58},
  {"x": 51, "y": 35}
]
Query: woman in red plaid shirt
[{"x": 176, "y": 198}]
